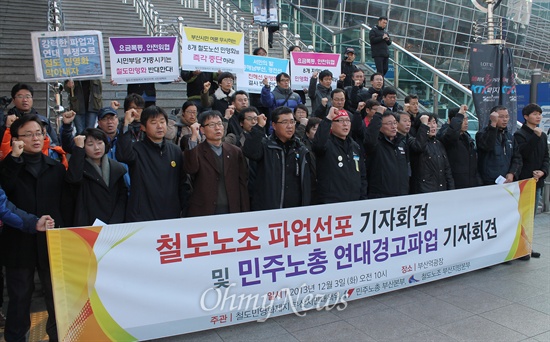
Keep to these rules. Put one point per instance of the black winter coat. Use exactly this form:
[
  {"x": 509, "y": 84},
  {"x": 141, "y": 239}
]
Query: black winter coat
[
  {"x": 348, "y": 68},
  {"x": 387, "y": 162},
  {"x": 431, "y": 170},
  {"x": 497, "y": 154},
  {"x": 47, "y": 194},
  {"x": 354, "y": 95},
  {"x": 379, "y": 46},
  {"x": 94, "y": 198},
  {"x": 371, "y": 91},
  {"x": 461, "y": 152},
  {"x": 534, "y": 153},
  {"x": 269, "y": 188},
  {"x": 156, "y": 174},
  {"x": 341, "y": 175}
]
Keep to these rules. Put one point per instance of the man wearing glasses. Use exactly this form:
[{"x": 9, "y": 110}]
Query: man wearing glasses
[
  {"x": 387, "y": 156},
  {"x": 283, "y": 164},
  {"x": 341, "y": 175},
  {"x": 22, "y": 97},
  {"x": 218, "y": 170},
  {"x": 282, "y": 95},
  {"x": 35, "y": 183}
]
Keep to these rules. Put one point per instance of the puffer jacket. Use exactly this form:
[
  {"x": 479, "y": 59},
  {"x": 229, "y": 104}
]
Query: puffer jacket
[{"x": 278, "y": 98}]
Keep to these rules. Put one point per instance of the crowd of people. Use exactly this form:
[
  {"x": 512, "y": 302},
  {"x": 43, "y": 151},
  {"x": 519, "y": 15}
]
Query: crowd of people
[{"x": 221, "y": 155}]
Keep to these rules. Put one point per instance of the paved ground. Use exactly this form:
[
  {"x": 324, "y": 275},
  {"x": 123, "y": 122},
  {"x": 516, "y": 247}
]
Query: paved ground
[{"x": 509, "y": 302}]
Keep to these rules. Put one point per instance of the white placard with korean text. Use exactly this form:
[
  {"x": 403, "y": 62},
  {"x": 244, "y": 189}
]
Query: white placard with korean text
[
  {"x": 143, "y": 59},
  {"x": 60, "y": 55},
  {"x": 304, "y": 64},
  {"x": 147, "y": 280},
  {"x": 256, "y": 68},
  {"x": 212, "y": 50}
]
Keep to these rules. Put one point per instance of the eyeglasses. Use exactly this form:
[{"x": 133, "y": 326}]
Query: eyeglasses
[
  {"x": 21, "y": 97},
  {"x": 252, "y": 119},
  {"x": 32, "y": 135},
  {"x": 109, "y": 118},
  {"x": 342, "y": 121},
  {"x": 287, "y": 122},
  {"x": 285, "y": 80},
  {"x": 228, "y": 79},
  {"x": 214, "y": 124},
  {"x": 392, "y": 123}
]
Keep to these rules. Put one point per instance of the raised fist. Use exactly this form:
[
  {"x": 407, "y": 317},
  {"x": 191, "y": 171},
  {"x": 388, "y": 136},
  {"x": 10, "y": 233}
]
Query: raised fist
[
  {"x": 79, "y": 140},
  {"x": 262, "y": 119},
  {"x": 68, "y": 117},
  {"x": 206, "y": 87},
  {"x": 10, "y": 119},
  {"x": 494, "y": 119},
  {"x": 17, "y": 148}
]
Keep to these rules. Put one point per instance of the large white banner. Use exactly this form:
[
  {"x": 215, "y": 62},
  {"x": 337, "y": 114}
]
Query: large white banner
[{"x": 146, "y": 280}]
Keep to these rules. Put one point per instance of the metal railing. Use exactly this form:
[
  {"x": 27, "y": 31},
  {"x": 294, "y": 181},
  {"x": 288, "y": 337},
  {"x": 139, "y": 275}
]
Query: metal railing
[
  {"x": 56, "y": 22},
  {"x": 288, "y": 39},
  {"x": 224, "y": 14},
  {"x": 411, "y": 74},
  {"x": 149, "y": 17}
]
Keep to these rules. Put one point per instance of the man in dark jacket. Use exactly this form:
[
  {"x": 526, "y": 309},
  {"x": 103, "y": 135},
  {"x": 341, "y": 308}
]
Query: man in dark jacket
[
  {"x": 347, "y": 68},
  {"x": 356, "y": 92},
  {"x": 337, "y": 100},
  {"x": 218, "y": 169},
  {"x": 22, "y": 98},
  {"x": 375, "y": 90},
  {"x": 156, "y": 169},
  {"x": 389, "y": 100},
  {"x": 239, "y": 101},
  {"x": 283, "y": 170},
  {"x": 341, "y": 175},
  {"x": 430, "y": 166},
  {"x": 387, "y": 157},
  {"x": 320, "y": 86},
  {"x": 461, "y": 149},
  {"x": 379, "y": 42},
  {"x": 497, "y": 153},
  {"x": 34, "y": 183},
  {"x": 532, "y": 145}
]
